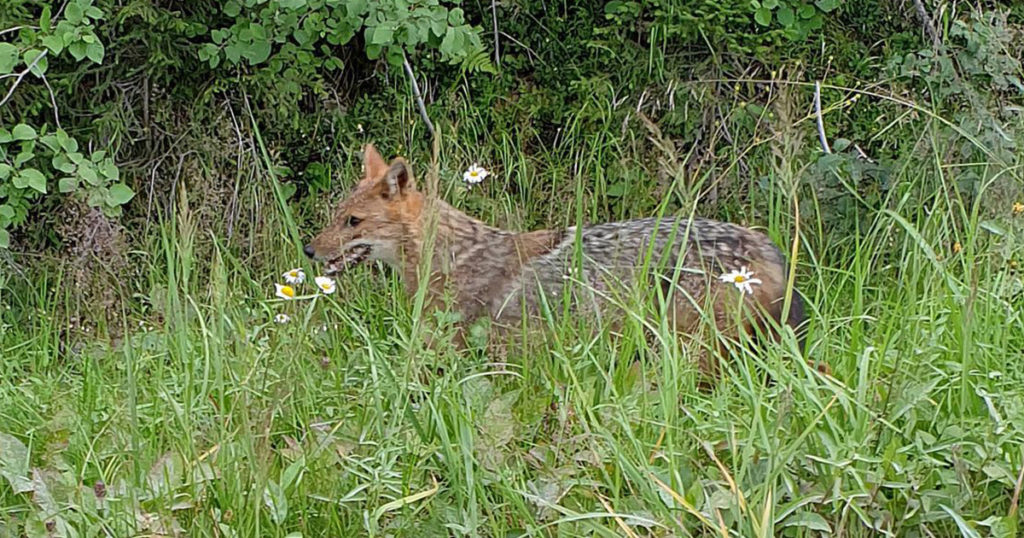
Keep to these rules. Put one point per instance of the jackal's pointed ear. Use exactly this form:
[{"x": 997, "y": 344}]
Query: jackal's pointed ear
[
  {"x": 374, "y": 166},
  {"x": 399, "y": 179}
]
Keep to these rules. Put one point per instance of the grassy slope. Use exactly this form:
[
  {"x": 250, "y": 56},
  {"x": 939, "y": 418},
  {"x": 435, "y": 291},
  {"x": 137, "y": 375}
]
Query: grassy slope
[{"x": 209, "y": 416}]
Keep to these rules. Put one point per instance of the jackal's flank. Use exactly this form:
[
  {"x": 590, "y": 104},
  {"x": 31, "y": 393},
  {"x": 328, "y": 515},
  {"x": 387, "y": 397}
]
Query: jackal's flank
[{"x": 506, "y": 275}]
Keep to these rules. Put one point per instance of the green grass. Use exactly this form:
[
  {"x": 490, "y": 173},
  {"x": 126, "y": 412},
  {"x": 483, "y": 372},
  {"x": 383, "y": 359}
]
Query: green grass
[{"x": 199, "y": 412}]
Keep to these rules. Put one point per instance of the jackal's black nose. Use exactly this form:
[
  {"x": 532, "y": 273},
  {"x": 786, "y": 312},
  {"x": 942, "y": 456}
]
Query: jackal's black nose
[{"x": 309, "y": 250}]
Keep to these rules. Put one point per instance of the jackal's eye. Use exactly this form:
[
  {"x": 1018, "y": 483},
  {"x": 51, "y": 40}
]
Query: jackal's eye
[{"x": 353, "y": 221}]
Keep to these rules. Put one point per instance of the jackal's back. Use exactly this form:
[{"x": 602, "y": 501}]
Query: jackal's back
[{"x": 678, "y": 257}]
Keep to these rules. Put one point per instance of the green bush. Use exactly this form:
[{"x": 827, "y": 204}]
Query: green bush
[{"x": 38, "y": 159}]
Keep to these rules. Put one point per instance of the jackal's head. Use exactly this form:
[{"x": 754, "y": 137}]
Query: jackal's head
[{"x": 377, "y": 220}]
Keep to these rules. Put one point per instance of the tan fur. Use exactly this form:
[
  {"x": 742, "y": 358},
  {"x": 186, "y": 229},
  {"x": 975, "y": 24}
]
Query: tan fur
[{"x": 502, "y": 275}]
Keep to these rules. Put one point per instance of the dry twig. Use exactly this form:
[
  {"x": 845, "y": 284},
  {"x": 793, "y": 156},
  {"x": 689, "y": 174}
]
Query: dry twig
[
  {"x": 416, "y": 93},
  {"x": 821, "y": 121}
]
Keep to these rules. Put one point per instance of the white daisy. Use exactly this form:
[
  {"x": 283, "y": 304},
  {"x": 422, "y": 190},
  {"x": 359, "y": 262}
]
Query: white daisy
[
  {"x": 475, "y": 174},
  {"x": 742, "y": 279},
  {"x": 282, "y": 318},
  {"x": 325, "y": 284},
  {"x": 285, "y": 292},
  {"x": 295, "y": 276}
]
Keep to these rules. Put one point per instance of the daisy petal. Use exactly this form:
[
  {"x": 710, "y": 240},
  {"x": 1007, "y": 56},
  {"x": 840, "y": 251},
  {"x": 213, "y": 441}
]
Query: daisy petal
[
  {"x": 294, "y": 276},
  {"x": 325, "y": 285},
  {"x": 284, "y": 292}
]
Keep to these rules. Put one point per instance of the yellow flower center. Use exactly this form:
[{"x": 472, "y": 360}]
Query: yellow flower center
[
  {"x": 288, "y": 290},
  {"x": 474, "y": 173},
  {"x": 1018, "y": 207},
  {"x": 739, "y": 279}
]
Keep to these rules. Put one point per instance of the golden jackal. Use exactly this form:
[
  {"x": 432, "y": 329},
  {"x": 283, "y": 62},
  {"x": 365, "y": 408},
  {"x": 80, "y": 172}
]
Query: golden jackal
[{"x": 506, "y": 275}]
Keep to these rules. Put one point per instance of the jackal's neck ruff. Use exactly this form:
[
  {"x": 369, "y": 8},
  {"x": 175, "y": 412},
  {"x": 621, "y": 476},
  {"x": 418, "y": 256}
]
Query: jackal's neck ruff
[
  {"x": 458, "y": 236},
  {"x": 467, "y": 255}
]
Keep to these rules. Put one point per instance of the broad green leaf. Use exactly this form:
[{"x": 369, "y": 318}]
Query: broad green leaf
[
  {"x": 77, "y": 50},
  {"x": 8, "y": 58},
  {"x": 786, "y": 16},
  {"x": 452, "y": 42},
  {"x": 220, "y": 35},
  {"x": 763, "y": 16},
  {"x": 5, "y": 136},
  {"x": 456, "y": 17},
  {"x": 382, "y": 35},
  {"x": 120, "y": 194},
  {"x": 233, "y": 52},
  {"x": 62, "y": 163},
  {"x": 111, "y": 211},
  {"x": 5, "y": 170},
  {"x": 87, "y": 171},
  {"x": 23, "y": 131},
  {"x": 276, "y": 500},
  {"x": 291, "y": 4},
  {"x": 5, "y": 242},
  {"x": 355, "y": 8},
  {"x": 31, "y": 178},
  {"x": 45, "y": 19},
  {"x": 827, "y": 5},
  {"x": 50, "y": 141},
  {"x": 258, "y": 32},
  {"x": 302, "y": 37},
  {"x": 95, "y": 198},
  {"x": 394, "y": 56},
  {"x": 110, "y": 170},
  {"x": 94, "y": 51},
  {"x": 66, "y": 142},
  {"x": 67, "y": 184},
  {"x": 1004, "y": 527},
  {"x": 770, "y": 4},
  {"x": 334, "y": 63},
  {"x": 25, "y": 156},
  {"x": 293, "y": 474},
  {"x": 257, "y": 52},
  {"x": 615, "y": 7},
  {"x": 438, "y": 26},
  {"x": 38, "y": 67},
  {"x": 231, "y": 8},
  {"x": 6, "y": 213},
  {"x": 208, "y": 51},
  {"x": 74, "y": 13}
]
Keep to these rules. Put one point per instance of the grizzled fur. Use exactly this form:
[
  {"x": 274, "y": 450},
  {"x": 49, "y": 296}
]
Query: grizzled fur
[{"x": 504, "y": 275}]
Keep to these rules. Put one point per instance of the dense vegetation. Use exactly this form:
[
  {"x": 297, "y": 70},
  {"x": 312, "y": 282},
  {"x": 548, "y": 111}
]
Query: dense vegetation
[{"x": 162, "y": 162}]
